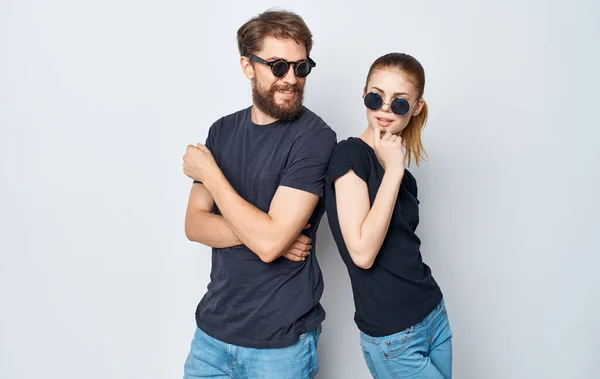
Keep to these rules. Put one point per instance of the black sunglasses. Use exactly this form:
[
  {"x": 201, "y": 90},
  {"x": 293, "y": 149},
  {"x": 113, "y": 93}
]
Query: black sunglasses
[
  {"x": 399, "y": 105},
  {"x": 281, "y": 67}
]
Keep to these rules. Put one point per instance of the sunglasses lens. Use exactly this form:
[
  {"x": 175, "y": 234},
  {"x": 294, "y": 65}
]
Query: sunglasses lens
[
  {"x": 373, "y": 101},
  {"x": 280, "y": 69},
  {"x": 400, "y": 106},
  {"x": 303, "y": 69}
]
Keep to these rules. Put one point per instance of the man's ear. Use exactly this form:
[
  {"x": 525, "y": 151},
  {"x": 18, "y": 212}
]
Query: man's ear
[{"x": 247, "y": 68}]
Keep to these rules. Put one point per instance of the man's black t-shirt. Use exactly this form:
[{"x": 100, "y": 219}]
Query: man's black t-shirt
[
  {"x": 398, "y": 291},
  {"x": 249, "y": 302}
]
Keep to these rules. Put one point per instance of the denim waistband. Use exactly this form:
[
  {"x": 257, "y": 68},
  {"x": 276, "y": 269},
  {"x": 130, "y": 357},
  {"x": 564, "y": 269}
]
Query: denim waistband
[{"x": 438, "y": 308}]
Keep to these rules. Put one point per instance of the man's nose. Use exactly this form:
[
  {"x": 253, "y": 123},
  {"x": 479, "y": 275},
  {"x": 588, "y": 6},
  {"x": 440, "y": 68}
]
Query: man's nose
[{"x": 290, "y": 76}]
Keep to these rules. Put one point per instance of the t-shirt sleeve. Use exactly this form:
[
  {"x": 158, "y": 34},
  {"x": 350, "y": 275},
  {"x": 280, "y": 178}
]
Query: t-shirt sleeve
[
  {"x": 210, "y": 140},
  {"x": 413, "y": 188},
  {"x": 309, "y": 160},
  {"x": 347, "y": 156}
]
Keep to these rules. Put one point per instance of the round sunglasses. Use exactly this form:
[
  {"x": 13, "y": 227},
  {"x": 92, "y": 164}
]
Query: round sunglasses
[
  {"x": 399, "y": 105},
  {"x": 280, "y": 67}
]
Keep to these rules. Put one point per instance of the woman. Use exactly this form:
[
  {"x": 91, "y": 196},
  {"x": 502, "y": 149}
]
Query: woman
[{"x": 373, "y": 212}]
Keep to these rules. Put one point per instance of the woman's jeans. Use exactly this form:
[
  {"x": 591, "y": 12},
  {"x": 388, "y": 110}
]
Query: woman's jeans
[{"x": 422, "y": 351}]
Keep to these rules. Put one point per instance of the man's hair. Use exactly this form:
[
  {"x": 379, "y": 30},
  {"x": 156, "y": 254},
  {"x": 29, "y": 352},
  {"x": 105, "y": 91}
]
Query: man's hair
[{"x": 277, "y": 23}]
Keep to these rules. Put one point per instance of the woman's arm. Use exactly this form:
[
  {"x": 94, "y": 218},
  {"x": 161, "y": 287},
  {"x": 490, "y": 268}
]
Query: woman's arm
[{"x": 364, "y": 227}]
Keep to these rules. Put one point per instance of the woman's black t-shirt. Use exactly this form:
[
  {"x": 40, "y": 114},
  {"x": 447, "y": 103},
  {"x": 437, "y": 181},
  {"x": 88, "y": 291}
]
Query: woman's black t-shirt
[{"x": 398, "y": 291}]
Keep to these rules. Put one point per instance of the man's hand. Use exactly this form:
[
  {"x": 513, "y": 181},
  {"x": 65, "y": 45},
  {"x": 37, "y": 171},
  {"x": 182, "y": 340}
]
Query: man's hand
[
  {"x": 300, "y": 248},
  {"x": 199, "y": 163}
]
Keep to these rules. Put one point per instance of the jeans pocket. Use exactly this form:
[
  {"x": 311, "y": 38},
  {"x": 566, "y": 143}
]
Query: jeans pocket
[
  {"x": 396, "y": 344},
  {"x": 369, "y": 362}
]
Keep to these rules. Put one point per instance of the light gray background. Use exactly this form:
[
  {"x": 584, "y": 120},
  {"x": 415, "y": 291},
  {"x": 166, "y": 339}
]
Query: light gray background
[{"x": 98, "y": 100}]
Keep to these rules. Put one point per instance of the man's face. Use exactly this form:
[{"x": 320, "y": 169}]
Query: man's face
[{"x": 280, "y": 98}]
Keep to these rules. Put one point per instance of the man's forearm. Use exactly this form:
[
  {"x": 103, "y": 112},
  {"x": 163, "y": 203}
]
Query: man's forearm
[
  {"x": 254, "y": 228},
  {"x": 210, "y": 229}
]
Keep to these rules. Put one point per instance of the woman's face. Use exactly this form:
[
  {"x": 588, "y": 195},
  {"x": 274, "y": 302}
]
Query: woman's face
[{"x": 390, "y": 84}]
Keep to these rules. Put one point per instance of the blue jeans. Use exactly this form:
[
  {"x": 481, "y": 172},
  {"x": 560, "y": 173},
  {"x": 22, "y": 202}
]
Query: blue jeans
[
  {"x": 422, "y": 351},
  {"x": 211, "y": 358}
]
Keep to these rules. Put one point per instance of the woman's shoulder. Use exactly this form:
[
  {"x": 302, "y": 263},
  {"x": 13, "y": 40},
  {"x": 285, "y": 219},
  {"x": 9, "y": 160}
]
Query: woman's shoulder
[
  {"x": 350, "y": 154},
  {"x": 351, "y": 147}
]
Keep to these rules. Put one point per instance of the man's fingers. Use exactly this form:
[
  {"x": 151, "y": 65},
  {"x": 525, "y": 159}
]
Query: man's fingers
[
  {"x": 293, "y": 257},
  {"x": 298, "y": 252},
  {"x": 300, "y": 246},
  {"x": 303, "y": 239}
]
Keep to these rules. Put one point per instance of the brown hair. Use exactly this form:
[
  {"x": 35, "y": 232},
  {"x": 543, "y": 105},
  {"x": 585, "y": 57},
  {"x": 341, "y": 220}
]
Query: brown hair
[
  {"x": 276, "y": 23},
  {"x": 411, "y": 135}
]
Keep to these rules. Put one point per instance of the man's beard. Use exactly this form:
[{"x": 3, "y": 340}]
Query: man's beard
[{"x": 265, "y": 101}]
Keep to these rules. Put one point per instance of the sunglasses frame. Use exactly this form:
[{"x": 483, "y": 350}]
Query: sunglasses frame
[
  {"x": 311, "y": 65},
  {"x": 390, "y": 103}
]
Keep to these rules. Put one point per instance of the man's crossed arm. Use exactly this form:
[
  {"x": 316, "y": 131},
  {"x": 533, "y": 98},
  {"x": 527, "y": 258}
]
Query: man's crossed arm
[{"x": 269, "y": 235}]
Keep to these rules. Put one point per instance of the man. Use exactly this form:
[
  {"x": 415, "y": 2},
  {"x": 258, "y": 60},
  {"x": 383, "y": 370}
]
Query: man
[{"x": 256, "y": 201}]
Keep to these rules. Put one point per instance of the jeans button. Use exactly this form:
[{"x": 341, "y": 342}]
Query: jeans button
[{"x": 388, "y": 343}]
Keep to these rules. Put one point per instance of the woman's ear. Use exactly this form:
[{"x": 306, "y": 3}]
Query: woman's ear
[{"x": 419, "y": 107}]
